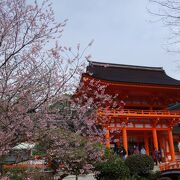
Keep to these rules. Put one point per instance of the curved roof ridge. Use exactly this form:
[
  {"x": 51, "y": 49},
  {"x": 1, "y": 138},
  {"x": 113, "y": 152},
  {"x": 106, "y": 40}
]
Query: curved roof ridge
[
  {"x": 130, "y": 73},
  {"x": 125, "y": 66}
]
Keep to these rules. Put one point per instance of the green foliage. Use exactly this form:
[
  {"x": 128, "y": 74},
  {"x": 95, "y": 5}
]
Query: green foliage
[
  {"x": 76, "y": 154},
  {"x": 15, "y": 173},
  {"x": 112, "y": 168},
  {"x": 107, "y": 153},
  {"x": 133, "y": 177},
  {"x": 40, "y": 176},
  {"x": 165, "y": 178},
  {"x": 154, "y": 176},
  {"x": 40, "y": 149},
  {"x": 151, "y": 176},
  {"x": 139, "y": 164},
  {"x": 22, "y": 174}
]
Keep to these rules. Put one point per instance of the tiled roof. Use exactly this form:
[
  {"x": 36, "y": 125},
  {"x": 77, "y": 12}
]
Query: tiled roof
[{"x": 130, "y": 74}]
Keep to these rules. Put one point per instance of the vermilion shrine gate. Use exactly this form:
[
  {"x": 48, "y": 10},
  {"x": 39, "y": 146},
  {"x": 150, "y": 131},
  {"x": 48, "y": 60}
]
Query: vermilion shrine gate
[{"x": 148, "y": 93}]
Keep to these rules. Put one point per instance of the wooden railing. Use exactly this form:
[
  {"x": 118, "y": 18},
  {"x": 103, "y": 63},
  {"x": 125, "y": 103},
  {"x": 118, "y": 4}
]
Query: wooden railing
[
  {"x": 25, "y": 166},
  {"x": 138, "y": 113},
  {"x": 170, "y": 165},
  {"x": 37, "y": 162}
]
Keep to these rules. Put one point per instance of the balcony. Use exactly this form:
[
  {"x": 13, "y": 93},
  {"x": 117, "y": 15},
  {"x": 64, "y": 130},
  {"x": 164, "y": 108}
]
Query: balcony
[{"x": 134, "y": 113}]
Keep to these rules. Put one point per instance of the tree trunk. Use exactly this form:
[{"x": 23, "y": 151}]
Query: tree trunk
[
  {"x": 63, "y": 176},
  {"x": 76, "y": 177}
]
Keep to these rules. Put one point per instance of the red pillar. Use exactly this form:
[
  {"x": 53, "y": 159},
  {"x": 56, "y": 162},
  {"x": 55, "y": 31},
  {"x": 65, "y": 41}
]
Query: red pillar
[
  {"x": 125, "y": 143},
  {"x": 166, "y": 149},
  {"x": 155, "y": 141},
  {"x": 146, "y": 144},
  {"x": 171, "y": 145},
  {"x": 107, "y": 137}
]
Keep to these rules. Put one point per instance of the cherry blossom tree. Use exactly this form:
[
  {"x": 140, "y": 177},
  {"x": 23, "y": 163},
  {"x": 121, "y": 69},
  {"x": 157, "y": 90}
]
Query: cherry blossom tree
[
  {"x": 70, "y": 152},
  {"x": 76, "y": 143},
  {"x": 35, "y": 69}
]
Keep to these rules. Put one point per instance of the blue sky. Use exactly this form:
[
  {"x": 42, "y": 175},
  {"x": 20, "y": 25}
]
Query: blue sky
[{"x": 123, "y": 30}]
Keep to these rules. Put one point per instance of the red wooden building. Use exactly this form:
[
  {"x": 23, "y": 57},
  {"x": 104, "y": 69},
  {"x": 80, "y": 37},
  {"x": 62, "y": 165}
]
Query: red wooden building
[{"x": 148, "y": 93}]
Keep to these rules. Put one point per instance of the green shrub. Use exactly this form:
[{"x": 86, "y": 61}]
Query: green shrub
[
  {"x": 107, "y": 153},
  {"x": 139, "y": 164},
  {"x": 154, "y": 175},
  {"x": 15, "y": 173},
  {"x": 112, "y": 168},
  {"x": 165, "y": 178},
  {"x": 40, "y": 176}
]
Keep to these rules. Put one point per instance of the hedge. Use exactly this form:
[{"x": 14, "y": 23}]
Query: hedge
[
  {"x": 112, "y": 168},
  {"x": 139, "y": 164}
]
